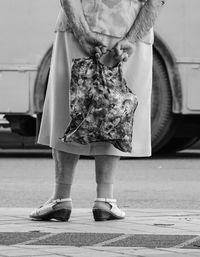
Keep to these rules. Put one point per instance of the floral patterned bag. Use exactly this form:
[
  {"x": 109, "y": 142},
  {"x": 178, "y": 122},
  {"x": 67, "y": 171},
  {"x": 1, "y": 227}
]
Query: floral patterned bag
[{"x": 102, "y": 106}]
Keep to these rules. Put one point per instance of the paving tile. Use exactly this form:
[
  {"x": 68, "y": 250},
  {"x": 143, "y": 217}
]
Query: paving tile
[
  {"x": 191, "y": 228},
  {"x": 22, "y": 252},
  {"x": 166, "y": 255},
  {"x": 194, "y": 245},
  {"x": 151, "y": 241},
  {"x": 92, "y": 227},
  {"x": 17, "y": 228},
  {"x": 147, "y": 229},
  {"x": 11, "y": 238},
  {"x": 5, "y": 247},
  {"x": 137, "y": 222},
  {"x": 84, "y": 252},
  {"x": 188, "y": 252},
  {"x": 128, "y": 250},
  {"x": 76, "y": 239},
  {"x": 145, "y": 252},
  {"x": 194, "y": 254},
  {"x": 15, "y": 212},
  {"x": 8, "y": 218},
  {"x": 49, "y": 255},
  {"x": 99, "y": 229},
  {"x": 40, "y": 255}
]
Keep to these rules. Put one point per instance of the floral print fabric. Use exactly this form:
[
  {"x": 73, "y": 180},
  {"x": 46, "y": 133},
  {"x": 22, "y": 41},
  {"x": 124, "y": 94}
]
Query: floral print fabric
[{"x": 102, "y": 106}]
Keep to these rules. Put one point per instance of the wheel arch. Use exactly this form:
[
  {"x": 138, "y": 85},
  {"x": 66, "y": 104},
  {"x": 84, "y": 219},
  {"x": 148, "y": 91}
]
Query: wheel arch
[
  {"x": 41, "y": 81},
  {"x": 169, "y": 61}
]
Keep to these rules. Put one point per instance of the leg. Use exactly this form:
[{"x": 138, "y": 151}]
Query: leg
[
  {"x": 105, "y": 171},
  {"x": 105, "y": 207},
  {"x": 59, "y": 205},
  {"x": 65, "y": 164}
]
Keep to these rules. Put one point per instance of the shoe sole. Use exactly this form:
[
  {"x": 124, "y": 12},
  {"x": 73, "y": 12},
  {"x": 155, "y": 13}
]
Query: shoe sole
[
  {"x": 60, "y": 215},
  {"x": 101, "y": 215}
]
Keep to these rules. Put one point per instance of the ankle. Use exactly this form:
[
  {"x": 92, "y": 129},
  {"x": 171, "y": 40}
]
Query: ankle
[
  {"x": 105, "y": 190},
  {"x": 62, "y": 191}
]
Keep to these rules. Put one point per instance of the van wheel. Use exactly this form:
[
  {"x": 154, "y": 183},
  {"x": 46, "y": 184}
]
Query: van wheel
[
  {"x": 179, "y": 143},
  {"x": 163, "y": 121}
]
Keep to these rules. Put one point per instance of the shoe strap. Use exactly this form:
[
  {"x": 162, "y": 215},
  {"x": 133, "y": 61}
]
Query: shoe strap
[
  {"x": 106, "y": 200},
  {"x": 113, "y": 203},
  {"x": 62, "y": 200}
]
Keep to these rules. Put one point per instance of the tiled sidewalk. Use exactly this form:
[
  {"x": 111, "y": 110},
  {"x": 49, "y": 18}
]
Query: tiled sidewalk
[{"x": 144, "y": 232}]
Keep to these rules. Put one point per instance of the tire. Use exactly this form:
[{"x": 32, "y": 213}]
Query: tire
[
  {"x": 179, "y": 143},
  {"x": 165, "y": 125},
  {"x": 163, "y": 121},
  {"x": 23, "y": 125}
]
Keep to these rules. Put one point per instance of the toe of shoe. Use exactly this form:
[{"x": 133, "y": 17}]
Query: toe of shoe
[
  {"x": 123, "y": 214},
  {"x": 118, "y": 212},
  {"x": 33, "y": 214}
]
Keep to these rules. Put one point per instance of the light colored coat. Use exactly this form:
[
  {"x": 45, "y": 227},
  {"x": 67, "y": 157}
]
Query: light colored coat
[{"x": 137, "y": 71}]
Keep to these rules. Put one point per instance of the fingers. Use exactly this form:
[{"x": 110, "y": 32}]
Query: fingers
[
  {"x": 124, "y": 57},
  {"x": 127, "y": 46},
  {"x": 99, "y": 51},
  {"x": 93, "y": 45},
  {"x": 104, "y": 49},
  {"x": 123, "y": 49},
  {"x": 91, "y": 49},
  {"x": 120, "y": 54},
  {"x": 118, "y": 51}
]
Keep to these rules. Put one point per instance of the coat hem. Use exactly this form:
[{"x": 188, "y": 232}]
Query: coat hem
[{"x": 93, "y": 151}]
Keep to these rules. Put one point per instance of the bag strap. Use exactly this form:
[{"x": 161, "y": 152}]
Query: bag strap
[
  {"x": 101, "y": 67},
  {"x": 107, "y": 51}
]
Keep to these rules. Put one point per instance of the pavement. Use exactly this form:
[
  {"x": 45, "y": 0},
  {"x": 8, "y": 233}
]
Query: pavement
[{"x": 144, "y": 232}]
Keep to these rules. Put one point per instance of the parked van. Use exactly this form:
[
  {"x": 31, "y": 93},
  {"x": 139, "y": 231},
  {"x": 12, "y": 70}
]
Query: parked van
[{"x": 27, "y": 34}]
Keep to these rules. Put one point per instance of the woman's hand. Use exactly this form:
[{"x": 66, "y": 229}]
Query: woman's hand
[
  {"x": 123, "y": 50},
  {"x": 91, "y": 44}
]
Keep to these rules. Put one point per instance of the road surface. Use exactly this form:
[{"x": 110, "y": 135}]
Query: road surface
[{"x": 159, "y": 182}]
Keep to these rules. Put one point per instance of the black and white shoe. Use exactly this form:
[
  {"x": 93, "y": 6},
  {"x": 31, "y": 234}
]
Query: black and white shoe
[
  {"x": 106, "y": 209},
  {"x": 56, "y": 209}
]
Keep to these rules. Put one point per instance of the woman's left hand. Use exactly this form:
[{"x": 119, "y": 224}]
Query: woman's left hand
[{"x": 123, "y": 50}]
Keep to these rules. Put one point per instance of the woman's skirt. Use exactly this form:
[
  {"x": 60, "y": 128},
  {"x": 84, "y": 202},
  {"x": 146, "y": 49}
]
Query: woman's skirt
[{"x": 56, "y": 113}]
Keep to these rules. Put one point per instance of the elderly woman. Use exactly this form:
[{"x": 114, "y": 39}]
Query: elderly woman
[{"x": 86, "y": 27}]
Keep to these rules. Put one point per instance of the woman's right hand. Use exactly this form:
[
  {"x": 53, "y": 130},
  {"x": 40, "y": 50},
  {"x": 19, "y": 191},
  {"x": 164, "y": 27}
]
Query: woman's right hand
[{"x": 92, "y": 45}]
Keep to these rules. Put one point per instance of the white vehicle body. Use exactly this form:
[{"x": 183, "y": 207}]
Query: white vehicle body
[{"x": 27, "y": 34}]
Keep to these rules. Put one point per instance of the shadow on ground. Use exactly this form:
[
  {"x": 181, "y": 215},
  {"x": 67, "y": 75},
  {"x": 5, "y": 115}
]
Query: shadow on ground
[{"x": 27, "y": 153}]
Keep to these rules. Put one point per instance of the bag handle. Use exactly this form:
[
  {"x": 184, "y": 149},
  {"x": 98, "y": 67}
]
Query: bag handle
[
  {"x": 101, "y": 67},
  {"x": 107, "y": 52}
]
